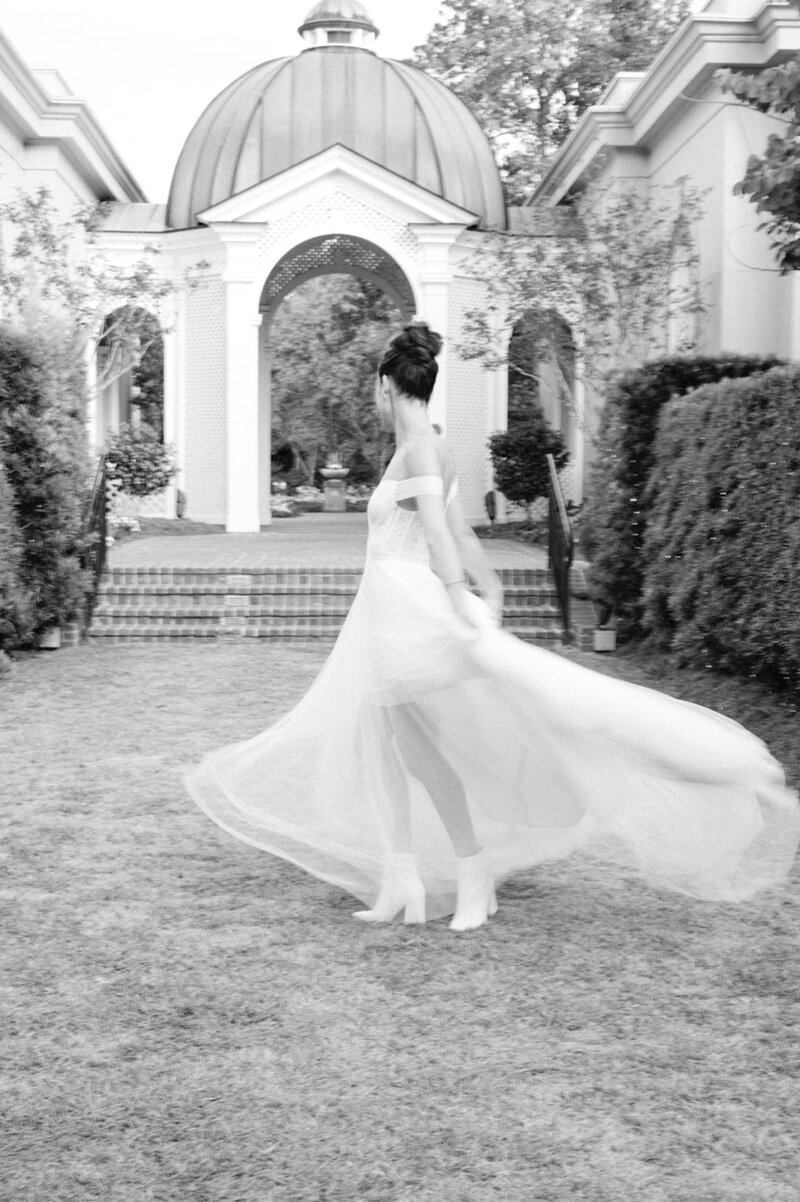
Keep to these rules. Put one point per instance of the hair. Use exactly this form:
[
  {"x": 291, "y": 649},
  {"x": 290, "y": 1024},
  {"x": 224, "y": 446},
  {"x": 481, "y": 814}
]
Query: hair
[{"x": 410, "y": 360}]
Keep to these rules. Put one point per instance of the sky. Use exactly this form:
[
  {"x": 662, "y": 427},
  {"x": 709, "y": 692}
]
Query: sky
[{"x": 148, "y": 68}]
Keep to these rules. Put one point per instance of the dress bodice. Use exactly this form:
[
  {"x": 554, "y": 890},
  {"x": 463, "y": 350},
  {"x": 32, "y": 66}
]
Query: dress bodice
[{"x": 395, "y": 532}]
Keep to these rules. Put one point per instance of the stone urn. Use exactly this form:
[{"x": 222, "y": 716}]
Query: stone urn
[{"x": 335, "y": 492}]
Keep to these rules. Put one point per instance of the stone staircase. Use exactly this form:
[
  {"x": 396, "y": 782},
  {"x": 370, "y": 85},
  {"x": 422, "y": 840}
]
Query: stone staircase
[{"x": 282, "y": 603}]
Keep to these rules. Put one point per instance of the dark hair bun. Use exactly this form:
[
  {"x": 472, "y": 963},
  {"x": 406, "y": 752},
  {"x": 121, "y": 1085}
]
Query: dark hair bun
[
  {"x": 418, "y": 342},
  {"x": 410, "y": 360}
]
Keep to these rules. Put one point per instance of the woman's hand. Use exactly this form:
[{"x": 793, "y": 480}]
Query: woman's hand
[
  {"x": 493, "y": 596},
  {"x": 473, "y": 610}
]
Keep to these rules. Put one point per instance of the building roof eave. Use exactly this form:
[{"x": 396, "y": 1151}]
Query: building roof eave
[
  {"x": 38, "y": 118},
  {"x": 676, "y": 79}
]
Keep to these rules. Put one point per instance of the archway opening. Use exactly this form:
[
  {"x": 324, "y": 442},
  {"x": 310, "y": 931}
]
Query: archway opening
[
  {"x": 542, "y": 372},
  {"x": 328, "y": 309},
  {"x": 130, "y": 372}
]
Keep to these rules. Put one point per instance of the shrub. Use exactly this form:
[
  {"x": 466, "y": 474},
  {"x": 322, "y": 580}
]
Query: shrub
[
  {"x": 14, "y": 601},
  {"x": 519, "y": 457},
  {"x": 43, "y": 447},
  {"x": 723, "y": 540},
  {"x": 139, "y": 460},
  {"x": 616, "y": 513}
]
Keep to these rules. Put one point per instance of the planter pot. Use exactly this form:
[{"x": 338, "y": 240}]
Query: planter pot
[
  {"x": 49, "y": 639},
  {"x": 605, "y": 640}
]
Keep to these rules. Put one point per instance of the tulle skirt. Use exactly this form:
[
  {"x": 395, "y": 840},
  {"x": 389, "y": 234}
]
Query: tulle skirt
[{"x": 552, "y": 756}]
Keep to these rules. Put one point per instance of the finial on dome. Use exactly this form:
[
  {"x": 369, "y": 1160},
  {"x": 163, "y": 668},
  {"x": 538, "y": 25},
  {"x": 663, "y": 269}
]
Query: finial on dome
[{"x": 339, "y": 23}]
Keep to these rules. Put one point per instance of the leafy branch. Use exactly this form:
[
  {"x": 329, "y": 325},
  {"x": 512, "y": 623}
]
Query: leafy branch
[{"x": 618, "y": 267}]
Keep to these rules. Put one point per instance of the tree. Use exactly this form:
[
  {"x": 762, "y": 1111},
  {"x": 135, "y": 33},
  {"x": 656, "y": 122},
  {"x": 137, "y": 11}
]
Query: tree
[
  {"x": 607, "y": 267},
  {"x": 56, "y": 281},
  {"x": 326, "y": 341},
  {"x": 14, "y": 600},
  {"x": 772, "y": 179},
  {"x": 530, "y": 68},
  {"x": 45, "y": 460}
]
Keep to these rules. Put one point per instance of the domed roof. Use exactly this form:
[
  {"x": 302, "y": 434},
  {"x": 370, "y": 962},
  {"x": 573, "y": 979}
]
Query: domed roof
[{"x": 288, "y": 110}]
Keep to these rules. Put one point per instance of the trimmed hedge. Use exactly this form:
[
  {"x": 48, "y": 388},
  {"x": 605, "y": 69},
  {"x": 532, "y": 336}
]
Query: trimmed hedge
[
  {"x": 14, "y": 601},
  {"x": 519, "y": 456},
  {"x": 616, "y": 517},
  {"x": 722, "y": 584},
  {"x": 45, "y": 457}
]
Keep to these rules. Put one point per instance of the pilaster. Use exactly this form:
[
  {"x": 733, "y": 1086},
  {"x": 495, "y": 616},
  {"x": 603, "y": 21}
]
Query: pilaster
[
  {"x": 242, "y": 325},
  {"x": 435, "y": 279}
]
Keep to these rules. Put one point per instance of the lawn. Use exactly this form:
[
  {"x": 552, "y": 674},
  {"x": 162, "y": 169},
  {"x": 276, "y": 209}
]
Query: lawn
[{"x": 186, "y": 1018}]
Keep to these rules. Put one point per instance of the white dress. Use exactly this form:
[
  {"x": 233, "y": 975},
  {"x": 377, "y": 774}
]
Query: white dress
[{"x": 553, "y": 756}]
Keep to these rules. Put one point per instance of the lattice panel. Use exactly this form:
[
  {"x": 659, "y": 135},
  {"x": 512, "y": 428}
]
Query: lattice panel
[
  {"x": 205, "y": 478},
  {"x": 306, "y": 223},
  {"x": 338, "y": 254},
  {"x": 469, "y": 405}
]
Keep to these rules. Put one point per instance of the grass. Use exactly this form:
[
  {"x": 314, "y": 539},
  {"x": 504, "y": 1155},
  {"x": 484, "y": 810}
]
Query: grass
[{"x": 187, "y": 1018}]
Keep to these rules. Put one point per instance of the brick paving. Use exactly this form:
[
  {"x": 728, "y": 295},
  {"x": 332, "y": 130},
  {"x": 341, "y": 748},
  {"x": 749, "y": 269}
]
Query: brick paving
[{"x": 311, "y": 540}]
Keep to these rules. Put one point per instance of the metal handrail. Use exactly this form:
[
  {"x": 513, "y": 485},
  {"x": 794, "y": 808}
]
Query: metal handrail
[
  {"x": 95, "y": 531},
  {"x": 560, "y": 546}
]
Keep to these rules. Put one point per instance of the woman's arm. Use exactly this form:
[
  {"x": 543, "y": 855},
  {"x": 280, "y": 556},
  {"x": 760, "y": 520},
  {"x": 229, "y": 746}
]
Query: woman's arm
[
  {"x": 447, "y": 539},
  {"x": 474, "y": 558}
]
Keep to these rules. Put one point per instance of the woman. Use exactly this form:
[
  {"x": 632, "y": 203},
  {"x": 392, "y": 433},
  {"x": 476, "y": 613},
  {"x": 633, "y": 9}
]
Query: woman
[{"x": 435, "y": 754}]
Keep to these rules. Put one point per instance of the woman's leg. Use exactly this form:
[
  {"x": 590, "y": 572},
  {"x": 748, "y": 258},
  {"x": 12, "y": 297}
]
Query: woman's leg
[{"x": 423, "y": 760}]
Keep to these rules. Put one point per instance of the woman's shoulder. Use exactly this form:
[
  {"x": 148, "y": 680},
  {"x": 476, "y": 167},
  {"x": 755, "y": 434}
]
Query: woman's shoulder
[{"x": 428, "y": 455}]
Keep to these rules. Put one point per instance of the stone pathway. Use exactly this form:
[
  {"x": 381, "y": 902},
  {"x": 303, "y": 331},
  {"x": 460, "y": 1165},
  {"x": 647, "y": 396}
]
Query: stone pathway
[{"x": 309, "y": 540}]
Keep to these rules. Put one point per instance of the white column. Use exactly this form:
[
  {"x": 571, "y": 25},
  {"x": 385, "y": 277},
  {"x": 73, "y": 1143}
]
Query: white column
[
  {"x": 579, "y": 422},
  {"x": 174, "y": 391},
  {"x": 435, "y": 278},
  {"x": 242, "y": 324},
  {"x": 265, "y": 426},
  {"x": 93, "y": 434}
]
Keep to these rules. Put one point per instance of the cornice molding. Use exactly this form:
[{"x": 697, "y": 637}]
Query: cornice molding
[
  {"x": 69, "y": 124},
  {"x": 679, "y": 76}
]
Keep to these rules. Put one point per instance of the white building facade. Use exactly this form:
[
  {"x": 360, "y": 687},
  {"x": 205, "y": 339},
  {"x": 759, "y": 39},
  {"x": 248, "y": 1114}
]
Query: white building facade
[
  {"x": 653, "y": 128},
  {"x": 339, "y": 161}
]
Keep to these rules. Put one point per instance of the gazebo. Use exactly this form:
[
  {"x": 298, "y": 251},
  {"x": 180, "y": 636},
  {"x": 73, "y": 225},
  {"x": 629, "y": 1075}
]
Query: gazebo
[{"x": 333, "y": 161}]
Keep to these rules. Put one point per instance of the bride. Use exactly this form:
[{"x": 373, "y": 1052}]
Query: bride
[{"x": 435, "y": 754}]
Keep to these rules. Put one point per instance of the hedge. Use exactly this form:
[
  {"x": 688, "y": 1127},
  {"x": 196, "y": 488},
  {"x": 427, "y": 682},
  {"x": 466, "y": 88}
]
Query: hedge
[
  {"x": 722, "y": 584},
  {"x": 45, "y": 458},
  {"x": 15, "y": 603},
  {"x": 615, "y": 521}
]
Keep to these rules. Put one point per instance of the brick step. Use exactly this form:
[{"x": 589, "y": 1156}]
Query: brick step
[
  {"x": 288, "y": 631},
  {"x": 538, "y": 634},
  {"x": 292, "y": 603},
  {"x": 231, "y": 580},
  {"x": 220, "y": 590},
  {"x": 143, "y": 615},
  {"x": 126, "y": 633},
  {"x": 196, "y": 614}
]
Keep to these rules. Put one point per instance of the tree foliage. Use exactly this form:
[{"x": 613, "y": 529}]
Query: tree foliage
[
  {"x": 619, "y": 487},
  {"x": 619, "y": 268},
  {"x": 530, "y": 68},
  {"x": 139, "y": 461},
  {"x": 45, "y": 459},
  {"x": 519, "y": 457},
  {"x": 326, "y": 341},
  {"x": 772, "y": 179},
  {"x": 722, "y": 552},
  {"x": 56, "y": 279},
  {"x": 14, "y": 600}
]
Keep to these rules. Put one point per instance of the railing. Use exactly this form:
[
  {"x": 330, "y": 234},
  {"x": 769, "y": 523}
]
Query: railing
[
  {"x": 95, "y": 530},
  {"x": 560, "y": 546}
]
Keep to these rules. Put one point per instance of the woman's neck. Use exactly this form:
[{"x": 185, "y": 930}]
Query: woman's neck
[{"x": 410, "y": 420}]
